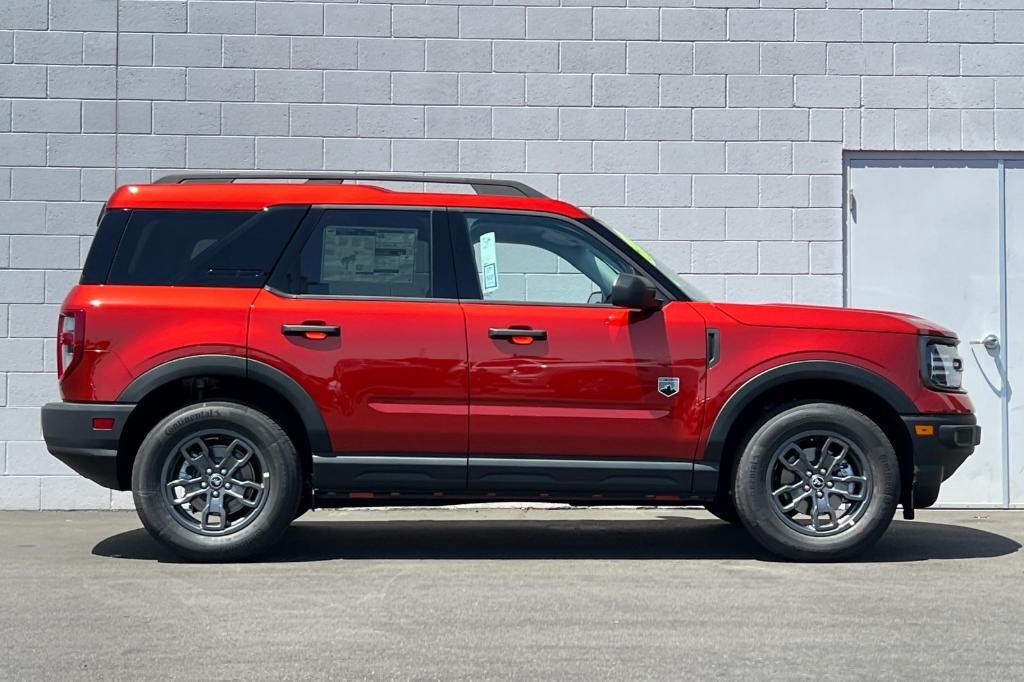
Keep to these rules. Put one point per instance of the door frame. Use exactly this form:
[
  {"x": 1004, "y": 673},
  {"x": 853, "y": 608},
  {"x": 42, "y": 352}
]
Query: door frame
[{"x": 1000, "y": 158}]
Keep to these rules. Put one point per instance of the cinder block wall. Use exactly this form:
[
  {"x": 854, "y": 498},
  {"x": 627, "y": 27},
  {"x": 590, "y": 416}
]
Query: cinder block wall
[{"x": 712, "y": 133}]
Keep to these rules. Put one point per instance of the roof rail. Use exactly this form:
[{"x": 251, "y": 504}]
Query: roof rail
[{"x": 479, "y": 185}]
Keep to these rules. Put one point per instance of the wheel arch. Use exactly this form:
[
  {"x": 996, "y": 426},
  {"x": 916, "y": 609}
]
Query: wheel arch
[
  {"x": 183, "y": 381},
  {"x": 800, "y": 382}
]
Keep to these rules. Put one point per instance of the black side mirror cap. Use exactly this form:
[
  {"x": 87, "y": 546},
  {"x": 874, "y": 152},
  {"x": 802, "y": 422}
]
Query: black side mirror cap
[{"x": 634, "y": 291}]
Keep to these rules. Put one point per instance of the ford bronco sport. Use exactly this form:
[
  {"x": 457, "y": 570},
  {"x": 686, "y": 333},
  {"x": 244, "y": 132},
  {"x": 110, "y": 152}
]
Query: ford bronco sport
[{"x": 241, "y": 349}]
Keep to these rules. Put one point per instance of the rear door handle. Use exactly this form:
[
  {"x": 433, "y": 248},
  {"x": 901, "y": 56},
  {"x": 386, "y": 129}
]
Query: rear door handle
[
  {"x": 311, "y": 330},
  {"x": 521, "y": 337}
]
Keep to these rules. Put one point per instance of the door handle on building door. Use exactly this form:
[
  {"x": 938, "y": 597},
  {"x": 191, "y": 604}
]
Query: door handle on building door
[{"x": 991, "y": 343}]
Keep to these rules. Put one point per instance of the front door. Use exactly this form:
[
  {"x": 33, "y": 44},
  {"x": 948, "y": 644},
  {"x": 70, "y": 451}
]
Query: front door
[
  {"x": 568, "y": 392},
  {"x": 926, "y": 236},
  {"x": 361, "y": 312}
]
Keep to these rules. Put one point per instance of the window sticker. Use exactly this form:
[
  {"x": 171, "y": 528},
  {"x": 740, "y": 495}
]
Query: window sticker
[
  {"x": 489, "y": 262},
  {"x": 378, "y": 255}
]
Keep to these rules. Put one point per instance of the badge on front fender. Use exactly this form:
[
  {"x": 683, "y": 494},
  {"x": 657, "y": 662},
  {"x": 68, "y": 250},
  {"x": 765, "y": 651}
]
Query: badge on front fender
[{"x": 668, "y": 386}]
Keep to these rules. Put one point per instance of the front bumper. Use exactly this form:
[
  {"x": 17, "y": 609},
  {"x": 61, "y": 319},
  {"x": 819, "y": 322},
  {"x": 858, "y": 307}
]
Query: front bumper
[
  {"x": 70, "y": 437},
  {"x": 939, "y": 450}
]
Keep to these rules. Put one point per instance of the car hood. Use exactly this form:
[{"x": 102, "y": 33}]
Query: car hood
[{"x": 823, "y": 317}]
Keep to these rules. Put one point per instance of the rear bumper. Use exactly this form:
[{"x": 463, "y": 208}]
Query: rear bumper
[
  {"x": 937, "y": 455},
  {"x": 70, "y": 437}
]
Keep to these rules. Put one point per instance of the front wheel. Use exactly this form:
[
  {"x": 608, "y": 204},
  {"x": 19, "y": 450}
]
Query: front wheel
[
  {"x": 817, "y": 482},
  {"x": 217, "y": 481}
]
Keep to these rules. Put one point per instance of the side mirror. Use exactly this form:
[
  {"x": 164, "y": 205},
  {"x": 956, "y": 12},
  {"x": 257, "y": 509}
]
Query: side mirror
[{"x": 633, "y": 291}]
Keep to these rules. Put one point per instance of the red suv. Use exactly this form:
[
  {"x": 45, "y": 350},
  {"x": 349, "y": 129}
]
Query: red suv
[{"x": 241, "y": 349}]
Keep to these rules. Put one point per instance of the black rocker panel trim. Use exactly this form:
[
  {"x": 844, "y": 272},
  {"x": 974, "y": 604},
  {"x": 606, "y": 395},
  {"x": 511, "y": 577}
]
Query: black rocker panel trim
[
  {"x": 236, "y": 366},
  {"x": 798, "y": 371},
  {"x": 358, "y": 472}
]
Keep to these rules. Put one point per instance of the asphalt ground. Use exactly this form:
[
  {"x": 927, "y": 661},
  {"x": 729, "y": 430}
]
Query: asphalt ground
[{"x": 582, "y": 594}]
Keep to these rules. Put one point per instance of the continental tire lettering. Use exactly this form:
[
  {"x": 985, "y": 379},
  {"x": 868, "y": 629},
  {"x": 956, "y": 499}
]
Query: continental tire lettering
[{"x": 187, "y": 419}]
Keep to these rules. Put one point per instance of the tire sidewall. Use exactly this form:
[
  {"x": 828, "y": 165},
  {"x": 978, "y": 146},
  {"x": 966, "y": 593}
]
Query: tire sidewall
[
  {"x": 756, "y": 507},
  {"x": 284, "y": 482}
]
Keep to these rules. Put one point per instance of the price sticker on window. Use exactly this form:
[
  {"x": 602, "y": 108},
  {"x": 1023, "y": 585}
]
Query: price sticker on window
[{"x": 489, "y": 262}]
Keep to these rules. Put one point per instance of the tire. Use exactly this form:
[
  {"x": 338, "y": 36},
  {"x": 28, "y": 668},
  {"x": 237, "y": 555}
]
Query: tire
[
  {"x": 224, "y": 456},
  {"x": 724, "y": 509},
  {"x": 836, "y": 477}
]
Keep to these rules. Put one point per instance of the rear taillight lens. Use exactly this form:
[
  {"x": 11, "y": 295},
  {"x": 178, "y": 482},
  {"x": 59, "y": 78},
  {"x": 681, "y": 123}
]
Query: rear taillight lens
[{"x": 70, "y": 340}]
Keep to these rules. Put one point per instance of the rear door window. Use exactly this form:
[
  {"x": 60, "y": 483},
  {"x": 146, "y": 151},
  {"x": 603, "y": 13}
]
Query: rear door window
[
  {"x": 202, "y": 248},
  {"x": 367, "y": 253}
]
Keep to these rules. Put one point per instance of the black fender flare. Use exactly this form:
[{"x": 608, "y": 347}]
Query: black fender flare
[
  {"x": 243, "y": 368},
  {"x": 826, "y": 370}
]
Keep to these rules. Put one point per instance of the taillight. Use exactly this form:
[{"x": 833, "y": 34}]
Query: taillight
[{"x": 70, "y": 340}]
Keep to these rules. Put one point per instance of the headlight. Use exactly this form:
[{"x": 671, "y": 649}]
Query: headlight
[{"x": 942, "y": 367}]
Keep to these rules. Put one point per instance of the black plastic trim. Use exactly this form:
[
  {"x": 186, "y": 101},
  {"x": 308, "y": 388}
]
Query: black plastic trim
[
  {"x": 69, "y": 436},
  {"x": 714, "y": 347},
  {"x": 579, "y": 475},
  {"x": 939, "y": 455},
  {"x": 361, "y": 472},
  {"x": 236, "y": 366},
  {"x": 798, "y": 371}
]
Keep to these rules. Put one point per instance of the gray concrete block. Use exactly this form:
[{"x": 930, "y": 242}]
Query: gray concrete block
[
  {"x": 290, "y": 18},
  {"x": 289, "y": 153},
  {"x": 72, "y": 492},
  {"x": 40, "y": 115},
  {"x": 492, "y": 22},
  {"x": 517, "y": 56},
  {"x": 761, "y": 24},
  {"x": 783, "y": 124},
  {"x": 187, "y": 49},
  {"x": 391, "y": 54},
  {"x": 458, "y": 122},
  {"x": 725, "y": 124},
  {"x": 724, "y": 257},
  {"x": 591, "y": 124},
  {"x": 323, "y": 120},
  {"x": 727, "y": 58},
  {"x": 28, "y": 14},
  {"x": 759, "y": 224},
  {"x": 20, "y": 355},
  {"x": 826, "y": 258},
  {"x": 99, "y": 48},
  {"x": 154, "y": 83},
  {"x": 693, "y": 91},
  {"x": 458, "y": 55},
  {"x": 292, "y": 85},
  {"x": 977, "y": 130},
  {"x": 759, "y": 157},
  {"x": 593, "y": 57},
  {"x": 221, "y": 17},
  {"x": 861, "y": 59},
  {"x": 28, "y": 148},
  {"x": 265, "y": 52},
  {"x": 23, "y": 80},
  {"x": 134, "y": 117},
  {"x": 23, "y": 217},
  {"x": 46, "y": 184},
  {"x": 19, "y": 492},
  {"x": 559, "y": 90},
  {"x": 221, "y": 152},
  {"x": 157, "y": 16},
  {"x": 492, "y": 156},
  {"x": 384, "y": 121},
  {"x": 626, "y": 157},
  {"x": 818, "y": 224},
  {"x": 625, "y": 90},
  {"x": 693, "y": 24},
  {"x": 926, "y": 59},
  {"x": 357, "y": 154},
  {"x": 59, "y": 283},
  {"x": 30, "y": 458},
  {"x": 559, "y": 23},
  {"x": 425, "y": 156},
  {"x": 759, "y": 288},
  {"x": 21, "y": 286},
  {"x": 80, "y": 151},
  {"x": 961, "y": 93},
  {"x": 80, "y": 82},
  {"x": 793, "y": 58},
  {"x": 31, "y": 389},
  {"x": 186, "y": 118},
  {"x": 818, "y": 290},
  {"x": 658, "y": 124},
  {"x": 664, "y": 190},
  {"x": 427, "y": 21},
  {"x": 828, "y": 25},
  {"x": 47, "y": 47},
  {"x": 694, "y": 224},
  {"x": 543, "y": 156},
  {"x": 826, "y": 91},
  {"x": 357, "y": 87},
  {"x": 493, "y": 89},
  {"x": 151, "y": 151},
  {"x": 783, "y": 191},
  {"x": 905, "y": 92},
  {"x": 760, "y": 91},
  {"x": 525, "y": 123},
  {"x": 221, "y": 85},
  {"x": 617, "y": 23},
  {"x": 240, "y": 118},
  {"x": 692, "y": 157},
  {"x": 361, "y": 20},
  {"x": 323, "y": 53},
  {"x": 659, "y": 58},
  {"x": 724, "y": 191},
  {"x": 135, "y": 49},
  {"x": 895, "y": 26}
]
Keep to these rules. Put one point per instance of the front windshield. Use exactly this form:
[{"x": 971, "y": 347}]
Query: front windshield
[{"x": 689, "y": 290}]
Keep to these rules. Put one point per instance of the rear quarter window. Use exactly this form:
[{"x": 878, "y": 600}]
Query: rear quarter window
[{"x": 202, "y": 248}]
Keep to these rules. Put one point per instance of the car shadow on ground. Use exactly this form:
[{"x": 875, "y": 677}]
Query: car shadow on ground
[{"x": 664, "y": 538}]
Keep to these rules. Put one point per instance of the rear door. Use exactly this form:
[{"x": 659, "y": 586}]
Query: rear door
[
  {"x": 564, "y": 387},
  {"x": 361, "y": 312}
]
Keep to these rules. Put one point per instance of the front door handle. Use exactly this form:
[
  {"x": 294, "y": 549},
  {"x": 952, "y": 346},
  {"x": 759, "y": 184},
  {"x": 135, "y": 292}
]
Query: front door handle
[
  {"x": 520, "y": 337},
  {"x": 311, "y": 330}
]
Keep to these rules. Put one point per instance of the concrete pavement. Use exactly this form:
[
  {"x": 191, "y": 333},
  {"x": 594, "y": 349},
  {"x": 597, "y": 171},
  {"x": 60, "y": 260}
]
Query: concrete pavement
[{"x": 510, "y": 594}]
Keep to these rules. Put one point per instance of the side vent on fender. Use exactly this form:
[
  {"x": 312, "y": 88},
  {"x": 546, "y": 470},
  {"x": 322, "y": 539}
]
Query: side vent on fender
[{"x": 713, "y": 347}]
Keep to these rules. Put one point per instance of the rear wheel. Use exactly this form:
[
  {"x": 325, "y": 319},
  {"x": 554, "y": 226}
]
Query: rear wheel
[
  {"x": 217, "y": 481},
  {"x": 817, "y": 482}
]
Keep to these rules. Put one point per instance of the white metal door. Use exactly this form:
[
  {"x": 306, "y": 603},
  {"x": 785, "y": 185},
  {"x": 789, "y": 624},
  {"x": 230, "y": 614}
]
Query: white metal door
[
  {"x": 1012, "y": 344},
  {"x": 924, "y": 237}
]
